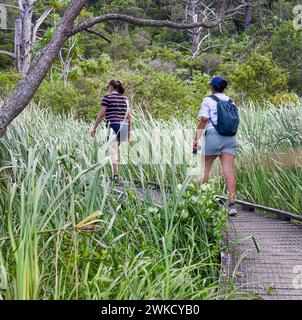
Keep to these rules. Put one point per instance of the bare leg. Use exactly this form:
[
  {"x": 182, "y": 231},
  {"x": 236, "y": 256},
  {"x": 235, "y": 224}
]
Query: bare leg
[
  {"x": 227, "y": 162},
  {"x": 114, "y": 153},
  {"x": 209, "y": 160}
]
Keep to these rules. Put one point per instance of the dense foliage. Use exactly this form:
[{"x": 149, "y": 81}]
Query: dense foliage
[
  {"x": 65, "y": 234},
  {"x": 160, "y": 70},
  {"x": 53, "y": 176}
]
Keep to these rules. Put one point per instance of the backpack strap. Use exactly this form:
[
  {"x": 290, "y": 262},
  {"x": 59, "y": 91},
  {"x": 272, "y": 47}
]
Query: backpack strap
[
  {"x": 212, "y": 122},
  {"x": 217, "y": 100},
  {"x": 214, "y": 98}
]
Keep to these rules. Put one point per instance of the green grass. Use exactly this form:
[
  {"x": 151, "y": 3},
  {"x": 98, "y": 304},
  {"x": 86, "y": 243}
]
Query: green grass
[
  {"x": 269, "y": 165},
  {"x": 52, "y": 177}
]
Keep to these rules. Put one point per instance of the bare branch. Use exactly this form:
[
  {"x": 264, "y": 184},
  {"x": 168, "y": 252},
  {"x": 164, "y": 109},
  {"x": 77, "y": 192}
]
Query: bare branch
[
  {"x": 199, "y": 45},
  {"x": 39, "y": 22},
  {"x": 21, "y": 5},
  {"x": 98, "y": 34},
  {"x": 7, "y": 53},
  {"x": 42, "y": 18},
  {"x": 9, "y": 6},
  {"x": 156, "y": 23}
]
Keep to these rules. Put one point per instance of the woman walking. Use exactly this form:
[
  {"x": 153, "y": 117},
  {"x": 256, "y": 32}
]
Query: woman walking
[
  {"x": 115, "y": 109},
  {"x": 219, "y": 117}
]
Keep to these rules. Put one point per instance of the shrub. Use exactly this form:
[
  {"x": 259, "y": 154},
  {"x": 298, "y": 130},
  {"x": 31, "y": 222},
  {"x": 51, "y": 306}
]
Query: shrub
[
  {"x": 163, "y": 53},
  {"x": 208, "y": 63},
  {"x": 57, "y": 97},
  {"x": 285, "y": 45},
  {"x": 200, "y": 85},
  {"x": 258, "y": 78},
  {"x": 89, "y": 98},
  {"x": 8, "y": 82},
  {"x": 105, "y": 63},
  {"x": 122, "y": 48},
  {"x": 284, "y": 98}
]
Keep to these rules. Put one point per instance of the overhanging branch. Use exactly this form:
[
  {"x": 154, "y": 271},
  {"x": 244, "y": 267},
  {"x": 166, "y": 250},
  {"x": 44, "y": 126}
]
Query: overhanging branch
[
  {"x": 229, "y": 14},
  {"x": 98, "y": 34}
]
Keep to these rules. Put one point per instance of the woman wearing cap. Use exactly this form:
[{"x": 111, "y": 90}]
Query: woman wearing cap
[
  {"x": 217, "y": 145},
  {"x": 115, "y": 109}
]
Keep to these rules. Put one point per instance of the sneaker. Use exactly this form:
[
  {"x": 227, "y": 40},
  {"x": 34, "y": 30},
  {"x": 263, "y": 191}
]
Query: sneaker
[
  {"x": 115, "y": 179},
  {"x": 232, "y": 210}
]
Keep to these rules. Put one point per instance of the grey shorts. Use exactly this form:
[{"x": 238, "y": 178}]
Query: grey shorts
[{"x": 215, "y": 144}]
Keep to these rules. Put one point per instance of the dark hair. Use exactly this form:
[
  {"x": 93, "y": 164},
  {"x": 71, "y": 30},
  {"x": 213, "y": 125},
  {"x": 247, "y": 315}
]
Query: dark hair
[
  {"x": 222, "y": 86},
  {"x": 117, "y": 85}
]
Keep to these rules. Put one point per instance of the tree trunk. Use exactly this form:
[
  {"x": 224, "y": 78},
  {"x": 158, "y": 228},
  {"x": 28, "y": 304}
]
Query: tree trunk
[
  {"x": 192, "y": 11},
  {"x": 248, "y": 15},
  {"x": 40, "y": 66},
  {"x": 18, "y": 41},
  {"x": 196, "y": 42},
  {"x": 195, "y": 31},
  {"x": 26, "y": 44},
  {"x": 25, "y": 35}
]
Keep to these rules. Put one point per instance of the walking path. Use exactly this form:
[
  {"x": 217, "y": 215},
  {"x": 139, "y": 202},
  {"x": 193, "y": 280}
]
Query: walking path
[
  {"x": 264, "y": 253},
  {"x": 275, "y": 272}
]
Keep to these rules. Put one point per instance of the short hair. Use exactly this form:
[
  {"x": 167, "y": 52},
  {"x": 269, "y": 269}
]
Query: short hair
[{"x": 220, "y": 90}]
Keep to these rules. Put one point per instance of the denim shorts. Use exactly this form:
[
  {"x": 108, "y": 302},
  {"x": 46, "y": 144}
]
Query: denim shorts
[
  {"x": 120, "y": 131},
  {"x": 215, "y": 144}
]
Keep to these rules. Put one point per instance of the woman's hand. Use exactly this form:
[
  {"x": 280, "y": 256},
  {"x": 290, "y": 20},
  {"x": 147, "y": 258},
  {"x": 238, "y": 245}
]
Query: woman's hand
[{"x": 195, "y": 146}]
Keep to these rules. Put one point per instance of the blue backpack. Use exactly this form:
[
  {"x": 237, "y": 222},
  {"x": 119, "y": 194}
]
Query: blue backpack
[{"x": 227, "y": 117}]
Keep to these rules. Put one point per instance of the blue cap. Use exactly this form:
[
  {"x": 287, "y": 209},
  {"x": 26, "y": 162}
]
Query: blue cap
[{"x": 219, "y": 82}]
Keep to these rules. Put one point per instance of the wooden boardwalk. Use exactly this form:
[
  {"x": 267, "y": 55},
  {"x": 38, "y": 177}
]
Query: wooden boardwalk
[
  {"x": 264, "y": 253},
  {"x": 271, "y": 266}
]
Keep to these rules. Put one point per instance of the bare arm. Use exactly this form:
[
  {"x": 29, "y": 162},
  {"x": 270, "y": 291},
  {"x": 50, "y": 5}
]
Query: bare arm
[
  {"x": 201, "y": 126},
  {"x": 98, "y": 120}
]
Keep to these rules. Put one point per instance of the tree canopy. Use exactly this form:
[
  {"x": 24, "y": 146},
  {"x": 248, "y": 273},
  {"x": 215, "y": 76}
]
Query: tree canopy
[{"x": 174, "y": 42}]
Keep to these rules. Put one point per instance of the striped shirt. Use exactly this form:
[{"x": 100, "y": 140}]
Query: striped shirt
[{"x": 116, "y": 106}]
